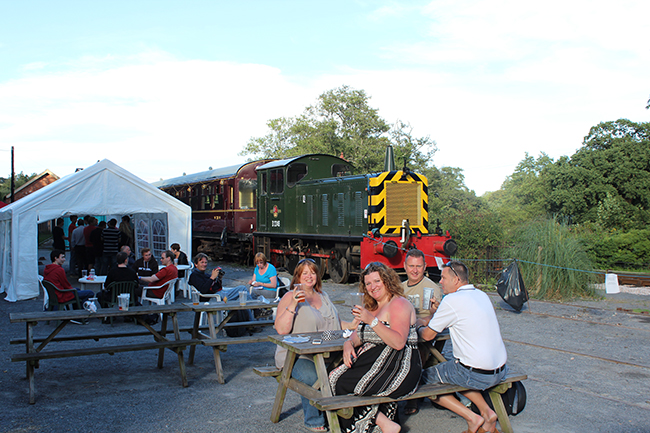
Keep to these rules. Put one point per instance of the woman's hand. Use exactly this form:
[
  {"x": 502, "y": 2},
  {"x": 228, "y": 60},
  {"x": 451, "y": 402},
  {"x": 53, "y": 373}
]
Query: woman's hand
[
  {"x": 349, "y": 353},
  {"x": 362, "y": 315}
]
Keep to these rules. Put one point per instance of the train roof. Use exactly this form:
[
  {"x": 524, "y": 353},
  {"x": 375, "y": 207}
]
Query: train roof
[
  {"x": 285, "y": 162},
  {"x": 204, "y": 176}
]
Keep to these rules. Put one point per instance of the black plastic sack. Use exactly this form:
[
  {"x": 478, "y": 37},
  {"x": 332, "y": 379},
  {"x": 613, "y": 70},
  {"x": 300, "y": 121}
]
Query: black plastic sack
[{"x": 511, "y": 287}]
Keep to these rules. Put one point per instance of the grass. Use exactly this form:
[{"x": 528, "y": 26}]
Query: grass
[{"x": 561, "y": 268}]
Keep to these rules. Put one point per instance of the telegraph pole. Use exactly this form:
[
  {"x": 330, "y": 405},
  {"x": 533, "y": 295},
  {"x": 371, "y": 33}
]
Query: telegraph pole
[{"x": 13, "y": 175}]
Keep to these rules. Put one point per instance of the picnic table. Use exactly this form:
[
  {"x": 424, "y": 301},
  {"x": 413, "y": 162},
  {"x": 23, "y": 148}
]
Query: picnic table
[
  {"x": 320, "y": 394},
  {"x": 216, "y": 324},
  {"x": 35, "y": 347}
]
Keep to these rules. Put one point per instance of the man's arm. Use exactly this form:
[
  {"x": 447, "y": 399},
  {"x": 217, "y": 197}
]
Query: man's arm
[{"x": 426, "y": 333}]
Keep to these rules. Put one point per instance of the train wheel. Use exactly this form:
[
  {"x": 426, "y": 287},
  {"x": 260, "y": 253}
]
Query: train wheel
[
  {"x": 322, "y": 263},
  {"x": 338, "y": 270}
]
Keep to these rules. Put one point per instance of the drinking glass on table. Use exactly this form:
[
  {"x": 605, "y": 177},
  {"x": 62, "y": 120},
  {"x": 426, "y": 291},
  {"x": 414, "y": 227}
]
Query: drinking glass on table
[{"x": 242, "y": 297}]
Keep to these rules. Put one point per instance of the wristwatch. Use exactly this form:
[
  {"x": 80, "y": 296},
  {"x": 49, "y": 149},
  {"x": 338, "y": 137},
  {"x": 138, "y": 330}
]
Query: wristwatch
[{"x": 374, "y": 322}]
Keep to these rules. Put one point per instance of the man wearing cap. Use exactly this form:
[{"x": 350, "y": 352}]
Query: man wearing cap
[{"x": 479, "y": 353}]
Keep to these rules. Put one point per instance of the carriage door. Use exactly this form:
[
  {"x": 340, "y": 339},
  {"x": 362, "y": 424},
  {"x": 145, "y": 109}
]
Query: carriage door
[
  {"x": 262, "y": 202},
  {"x": 151, "y": 231}
]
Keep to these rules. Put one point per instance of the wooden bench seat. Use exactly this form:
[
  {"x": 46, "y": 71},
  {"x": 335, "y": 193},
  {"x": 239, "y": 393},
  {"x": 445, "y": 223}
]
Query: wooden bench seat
[
  {"x": 344, "y": 404},
  {"x": 223, "y": 343},
  {"x": 98, "y": 337},
  {"x": 51, "y": 354},
  {"x": 267, "y": 371}
]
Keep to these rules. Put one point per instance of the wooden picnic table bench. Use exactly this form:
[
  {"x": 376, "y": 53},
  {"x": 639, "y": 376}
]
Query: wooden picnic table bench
[
  {"x": 342, "y": 405},
  {"x": 34, "y": 353},
  {"x": 212, "y": 339}
]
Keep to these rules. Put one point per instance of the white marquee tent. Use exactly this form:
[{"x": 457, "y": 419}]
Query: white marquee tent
[{"x": 101, "y": 189}]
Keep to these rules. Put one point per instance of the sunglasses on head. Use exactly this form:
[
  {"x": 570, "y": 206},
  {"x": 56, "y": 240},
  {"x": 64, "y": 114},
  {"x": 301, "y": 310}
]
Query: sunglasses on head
[
  {"x": 451, "y": 266},
  {"x": 376, "y": 264},
  {"x": 307, "y": 259}
]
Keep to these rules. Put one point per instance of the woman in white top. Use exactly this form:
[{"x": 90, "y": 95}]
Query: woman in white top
[{"x": 307, "y": 309}]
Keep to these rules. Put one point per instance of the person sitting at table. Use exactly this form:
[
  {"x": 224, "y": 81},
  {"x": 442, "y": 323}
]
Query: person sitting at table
[
  {"x": 478, "y": 349},
  {"x": 307, "y": 309},
  {"x": 145, "y": 266},
  {"x": 212, "y": 283},
  {"x": 131, "y": 258},
  {"x": 55, "y": 274},
  {"x": 265, "y": 277},
  {"x": 121, "y": 272},
  {"x": 381, "y": 357},
  {"x": 168, "y": 273}
]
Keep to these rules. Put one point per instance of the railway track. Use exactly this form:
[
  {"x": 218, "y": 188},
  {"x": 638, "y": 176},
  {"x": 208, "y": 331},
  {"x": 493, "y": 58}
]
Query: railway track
[{"x": 638, "y": 280}]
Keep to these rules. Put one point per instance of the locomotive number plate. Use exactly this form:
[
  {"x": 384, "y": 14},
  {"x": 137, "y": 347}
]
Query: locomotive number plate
[{"x": 275, "y": 223}]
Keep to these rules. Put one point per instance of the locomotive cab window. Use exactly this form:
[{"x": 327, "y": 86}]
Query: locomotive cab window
[
  {"x": 264, "y": 186},
  {"x": 295, "y": 172},
  {"x": 341, "y": 170},
  {"x": 276, "y": 181}
]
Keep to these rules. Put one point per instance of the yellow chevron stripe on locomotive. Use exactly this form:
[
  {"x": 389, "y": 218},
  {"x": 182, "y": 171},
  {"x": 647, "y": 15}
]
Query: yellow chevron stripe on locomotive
[{"x": 394, "y": 196}]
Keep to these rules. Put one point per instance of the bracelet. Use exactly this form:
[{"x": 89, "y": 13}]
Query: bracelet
[
  {"x": 292, "y": 312},
  {"x": 374, "y": 323}
]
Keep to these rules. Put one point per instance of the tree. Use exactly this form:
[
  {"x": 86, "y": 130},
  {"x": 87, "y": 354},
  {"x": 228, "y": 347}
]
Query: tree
[
  {"x": 20, "y": 180},
  {"x": 523, "y": 194},
  {"x": 613, "y": 166},
  {"x": 342, "y": 123}
]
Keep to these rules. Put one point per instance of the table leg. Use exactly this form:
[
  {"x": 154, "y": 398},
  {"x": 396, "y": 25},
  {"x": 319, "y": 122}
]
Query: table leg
[
  {"x": 179, "y": 351},
  {"x": 215, "y": 349},
  {"x": 282, "y": 386},
  {"x": 195, "y": 335},
  {"x": 163, "y": 331},
  {"x": 29, "y": 342},
  {"x": 326, "y": 391}
]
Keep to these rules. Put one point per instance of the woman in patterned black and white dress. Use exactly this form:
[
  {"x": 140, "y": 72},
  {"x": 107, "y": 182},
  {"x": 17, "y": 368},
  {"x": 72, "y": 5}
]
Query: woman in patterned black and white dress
[{"x": 381, "y": 357}]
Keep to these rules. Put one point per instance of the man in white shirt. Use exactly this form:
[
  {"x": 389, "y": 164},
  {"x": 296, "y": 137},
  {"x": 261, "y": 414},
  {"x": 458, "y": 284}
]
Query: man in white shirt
[{"x": 479, "y": 353}]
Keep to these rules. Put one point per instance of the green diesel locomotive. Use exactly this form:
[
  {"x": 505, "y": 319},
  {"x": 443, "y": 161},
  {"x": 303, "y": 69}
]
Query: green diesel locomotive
[{"x": 312, "y": 206}]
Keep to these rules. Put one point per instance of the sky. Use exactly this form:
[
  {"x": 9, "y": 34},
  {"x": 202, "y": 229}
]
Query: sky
[{"x": 163, "y": 88}]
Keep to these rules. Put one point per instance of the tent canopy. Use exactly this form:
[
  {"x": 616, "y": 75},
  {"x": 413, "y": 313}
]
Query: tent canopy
[{"x": 101, "y": 189}]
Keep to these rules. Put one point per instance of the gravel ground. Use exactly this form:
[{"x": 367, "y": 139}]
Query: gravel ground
[{"x": 588, "y": 365}]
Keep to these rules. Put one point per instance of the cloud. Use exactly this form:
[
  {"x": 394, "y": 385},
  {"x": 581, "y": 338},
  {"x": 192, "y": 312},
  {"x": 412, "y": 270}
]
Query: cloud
[{"x": 154, "y": 115}]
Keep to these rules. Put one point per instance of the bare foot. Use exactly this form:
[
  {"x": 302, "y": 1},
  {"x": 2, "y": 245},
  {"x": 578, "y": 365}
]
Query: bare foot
[
  {"x": 475, "y": 424},
  {"x": 386, "y": 425},
  {"x": 490, "y": 424}
]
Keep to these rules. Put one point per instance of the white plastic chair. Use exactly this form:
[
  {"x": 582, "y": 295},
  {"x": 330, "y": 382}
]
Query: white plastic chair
[
  {"x": 284, "y": 284},
  {"x": 184, "y": 283},
  {"x": 203, "y": 316},
  {"x": 45, "y": 296},
  {"x": 168, "y": 297}
]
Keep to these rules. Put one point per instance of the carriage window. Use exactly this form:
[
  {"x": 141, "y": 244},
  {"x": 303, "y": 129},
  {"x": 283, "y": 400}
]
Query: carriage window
[
  {"x": 247, "y": 189},
  {"x": 295, "y": 172},
  {"x": 277, "y": 181},
  {"x": 341, "y": 170}
]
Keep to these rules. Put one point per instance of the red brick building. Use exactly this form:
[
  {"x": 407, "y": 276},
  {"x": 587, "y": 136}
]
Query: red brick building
[{"x": 38, "y": 182}]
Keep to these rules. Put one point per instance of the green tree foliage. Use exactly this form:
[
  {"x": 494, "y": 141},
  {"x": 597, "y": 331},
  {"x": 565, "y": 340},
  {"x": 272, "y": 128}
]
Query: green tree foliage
[
  {"x": 342, "y": 123},
  {"x": 560, "y": 251},
  {"x": 5, "y": 184},
  {"x": 612, "y": 168},
  {"x": 523, "y": 194}
]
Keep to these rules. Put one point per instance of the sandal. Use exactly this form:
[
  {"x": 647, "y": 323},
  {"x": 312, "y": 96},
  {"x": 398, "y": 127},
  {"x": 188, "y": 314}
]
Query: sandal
[
  {"x": 412, "y": 410},
  {"x": 317, "y": 429}
]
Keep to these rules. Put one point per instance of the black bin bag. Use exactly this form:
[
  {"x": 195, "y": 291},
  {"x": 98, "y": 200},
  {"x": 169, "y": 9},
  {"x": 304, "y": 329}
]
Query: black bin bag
[{"x": 511, "y": 287}]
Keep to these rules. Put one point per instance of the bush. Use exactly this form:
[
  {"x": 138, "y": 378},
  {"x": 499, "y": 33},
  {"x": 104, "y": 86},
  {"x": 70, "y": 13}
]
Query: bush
[{"x": 563, "y": 258}]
